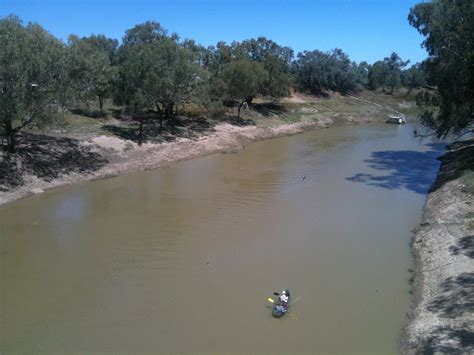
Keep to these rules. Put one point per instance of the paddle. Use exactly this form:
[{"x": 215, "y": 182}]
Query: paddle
[{"x": 297, "y": 299}]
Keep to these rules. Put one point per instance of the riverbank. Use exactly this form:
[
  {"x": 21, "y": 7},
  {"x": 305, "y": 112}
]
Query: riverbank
[
  {"x": 94, "y": 150},
  {"x": 442, "y": 315},
  {"x": 104, "y": 156}
]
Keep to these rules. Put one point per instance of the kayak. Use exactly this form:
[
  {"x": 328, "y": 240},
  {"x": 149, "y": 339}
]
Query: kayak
[{"x": 278, "y": 309}]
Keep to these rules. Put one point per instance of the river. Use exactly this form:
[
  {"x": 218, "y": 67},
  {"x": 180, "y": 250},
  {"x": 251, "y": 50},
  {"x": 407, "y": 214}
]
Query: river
[{"x": 184, "y": 258}]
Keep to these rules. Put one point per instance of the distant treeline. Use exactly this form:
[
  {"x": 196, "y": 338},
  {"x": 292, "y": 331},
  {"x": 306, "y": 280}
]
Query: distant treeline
[{"x": 151, "y": 73}]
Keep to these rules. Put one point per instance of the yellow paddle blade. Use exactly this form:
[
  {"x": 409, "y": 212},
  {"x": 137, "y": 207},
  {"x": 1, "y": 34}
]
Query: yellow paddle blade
[{"x": 270, "y": 300}]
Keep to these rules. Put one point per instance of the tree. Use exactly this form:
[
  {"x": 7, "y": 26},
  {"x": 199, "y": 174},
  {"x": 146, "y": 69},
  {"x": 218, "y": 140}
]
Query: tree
[
  {"x": 386, "y": 73},
  {"x": 156, "y": 73},
  {"x": 317, "y": 71},
  {"x": 378, "y": 75},
  {"x": 414, "y": 77},
  {"x": 90, "y": 67},
  {"x": 145, "y": 33},
  {"x": 394, "y": 64},
  {"x": 362, "y": 73},
  {"x": 32, "y": 74},
  {"x": 243, "y": 80},
  {"x": 448, "y": 27},
  {"x": 276, "y": 61}
]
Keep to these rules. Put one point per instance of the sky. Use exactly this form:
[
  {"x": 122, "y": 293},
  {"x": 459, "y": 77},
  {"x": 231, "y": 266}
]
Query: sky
[{"x": 365, "y": 29}]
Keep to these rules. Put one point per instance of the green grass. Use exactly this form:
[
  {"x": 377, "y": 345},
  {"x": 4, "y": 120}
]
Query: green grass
[{"x": 288, "y": 111}]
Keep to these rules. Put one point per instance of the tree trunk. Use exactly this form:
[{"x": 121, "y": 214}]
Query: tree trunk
[
  {"x": 238, "y": 110},
  {"x": 160, "y": 113},
  {"x": 140, "y": 131},
  {"x": 10, "y": 132},
  {"x": 101, "y": 102},
  {"x": 170, "y": 110}
]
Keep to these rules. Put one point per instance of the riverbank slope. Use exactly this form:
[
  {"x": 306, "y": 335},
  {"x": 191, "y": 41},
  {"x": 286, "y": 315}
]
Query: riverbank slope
[
  {"x": 442, "y": 314},
  {"x": 91, "y": 148}
]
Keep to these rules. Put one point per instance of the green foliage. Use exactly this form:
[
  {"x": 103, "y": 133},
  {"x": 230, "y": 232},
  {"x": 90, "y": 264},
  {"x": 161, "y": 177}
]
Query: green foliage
[
  {"x": 273, "y": 58},
  {"x": 317, "y": 71},
  {"x": 378, "y": 72},
  {"x": 145, "y": 33},
  {"x": 156, "y": 73},
  {"x": 276, "y": 61},
  {"x": 448, "y": 27},
  {"x": 153, "y": 73},
  {"x": 90, "y": 67},
  {"x": 387, "y": 73},
  {"x": 243, "y": 80},
  {"x": 414, "y": 77},
  {"x": 32, "y": 72}
]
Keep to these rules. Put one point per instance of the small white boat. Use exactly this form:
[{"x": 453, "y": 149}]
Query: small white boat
[{"x": 398, "y": 119}]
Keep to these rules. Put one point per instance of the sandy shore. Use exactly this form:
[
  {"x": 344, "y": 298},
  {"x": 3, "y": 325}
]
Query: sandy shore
[
  {"x": 442, "y": 316},
  {"x": 125, "y": 156}
]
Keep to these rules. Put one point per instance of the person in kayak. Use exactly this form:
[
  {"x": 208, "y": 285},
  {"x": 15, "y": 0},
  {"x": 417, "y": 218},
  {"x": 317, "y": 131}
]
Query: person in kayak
[{"x": 283, "y": 299}]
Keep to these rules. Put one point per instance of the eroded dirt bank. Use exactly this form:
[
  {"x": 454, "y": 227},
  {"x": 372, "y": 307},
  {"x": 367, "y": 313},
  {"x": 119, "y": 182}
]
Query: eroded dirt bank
[
  {"x": 66, "y": 161},
  {"x": 442, "y": 316}
]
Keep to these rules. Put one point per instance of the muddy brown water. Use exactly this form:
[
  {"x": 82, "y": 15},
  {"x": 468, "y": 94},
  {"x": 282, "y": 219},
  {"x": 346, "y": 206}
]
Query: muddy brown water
[{"x": 183, "y": 258}]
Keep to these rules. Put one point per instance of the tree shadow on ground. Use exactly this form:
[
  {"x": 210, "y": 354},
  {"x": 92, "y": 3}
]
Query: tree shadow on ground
[
  {"x": 446, "y": 340},
  {"x": 120, "y": 115},
  {"x": 465, "y": 246},
  {"x": 89, "y": 113},
  {"x": 194, "y": 124},
  {"x": 47, "y": 158},
  {"x": 412, "y": 170},
  {"x": 238, "y": 121},
  {"x": 455, "y": 301},
  {"x": 269, "y": 108},
  {"x": 132, "y": 133},
  {"x": 457, "y": 297}
]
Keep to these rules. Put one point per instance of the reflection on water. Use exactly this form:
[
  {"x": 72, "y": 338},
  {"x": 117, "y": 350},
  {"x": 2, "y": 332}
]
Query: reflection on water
[{"x": 184, "y": 258}]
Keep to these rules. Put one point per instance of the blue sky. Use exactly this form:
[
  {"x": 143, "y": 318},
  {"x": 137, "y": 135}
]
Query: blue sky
[{"x": 365, "y": 29}]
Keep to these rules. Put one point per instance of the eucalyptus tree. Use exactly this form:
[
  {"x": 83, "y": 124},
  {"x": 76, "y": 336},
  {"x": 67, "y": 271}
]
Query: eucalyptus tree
[
  {"x": 32, "y": 77},
  {"x": 149, "y": 32},
  {"x": 154, "y": 72},
  {"x": 414, "y": 77},
  {"x": 448, "y": 27},
  {"x": 377, "y": 75},
  {"x": 243, "y": 80},
  {"x": 90, "y": 67},
  {"x": 316, "y": 71},
  {"x": 276, "y": 61},
  {"x": 394, "y": 64},
  {"x": 387, "y": 73}
]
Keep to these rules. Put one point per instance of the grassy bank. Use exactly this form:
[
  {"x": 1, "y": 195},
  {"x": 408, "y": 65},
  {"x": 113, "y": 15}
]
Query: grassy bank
[{"x": 194, "y": 120}]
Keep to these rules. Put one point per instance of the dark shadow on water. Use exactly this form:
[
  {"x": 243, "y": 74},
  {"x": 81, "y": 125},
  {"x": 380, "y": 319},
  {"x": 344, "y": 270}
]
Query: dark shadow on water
[{"x": 403, "y": 169}]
